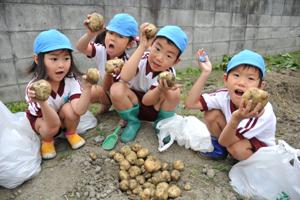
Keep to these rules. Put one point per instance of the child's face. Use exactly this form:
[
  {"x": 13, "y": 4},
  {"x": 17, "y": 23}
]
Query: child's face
[
  {"x": 163, "y": 55},
  {"x": 58, "y": 64},
  {"x": 115, "y": 44},
  {"x": 239, "y": 80}
]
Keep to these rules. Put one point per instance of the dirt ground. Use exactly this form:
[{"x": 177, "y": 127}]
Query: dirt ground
[{"x": 74, "y": 175}]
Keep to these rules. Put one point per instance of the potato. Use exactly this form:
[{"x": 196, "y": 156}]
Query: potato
[
  {"x": 187, "y": 186},
  {"x": 96, "y": 22},
  {"x": 174, "y": 191},
  {"x": 139, "y": 162},
  {"x": 136, "y": 147},
  {"x": 149, "y": 185},
  {"x": 131, "y": 157},
  {"x": 152, "y": 164},
  {"x": 140, "y": 179},
  {"x": 112, "y": 153},
  {"x": 164, "y": 166},
  {"x": 124, "y": 185},
  {"x": 123, "y": 175},
  {"x": 257, "y": 96},
  {"x": 134, "y": 171},
  {"x": 175, "y": 175},
  {"x": 178, "y": 165},
  {"x": 113, "y": 64},
  {"x": 137, "y": 190},
  {"x": 169, "y": 77},
  {"x": 145, "y": 194},
  {"x": 143, "y": 153},
  {"x": 161, "y": 192},
  {"x": 125, "y": 150},
  {"x": 42, "y": 89},
  {"x": 93, "y": 155},
  {"x": 92, "y": 75},
  {"x": 150, "y": 31},
  {"x": 118, "y": 157},
  {"x": 124, "y": 164},
  {"x": 165, "y": 176},
  {"x": 132, "y": 184}
]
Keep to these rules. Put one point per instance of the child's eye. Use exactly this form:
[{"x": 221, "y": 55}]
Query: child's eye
[
  {"x": 157, "y": 48},
  {"x": 67, "y": 58},
  {"x": 236, "y": 75},
  {"x": 53, "y": 59}
]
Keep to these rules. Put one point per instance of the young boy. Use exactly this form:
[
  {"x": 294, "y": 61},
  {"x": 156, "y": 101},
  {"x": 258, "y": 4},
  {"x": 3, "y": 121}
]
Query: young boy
[
  {"x": 139, "y": 95},
  {"x": 234, "y": 127}
]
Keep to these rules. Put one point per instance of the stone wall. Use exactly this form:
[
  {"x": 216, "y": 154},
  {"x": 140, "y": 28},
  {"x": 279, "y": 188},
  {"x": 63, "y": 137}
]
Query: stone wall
[{"x": 219, "y": 26}]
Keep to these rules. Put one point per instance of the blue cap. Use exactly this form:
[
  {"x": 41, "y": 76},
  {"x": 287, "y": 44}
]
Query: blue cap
[
  {"x": 123, "y": 24},
  {"x": 176, "y": 35},
  {"x": 51, "y": 40},
  {"x": 247, "y": 57}
]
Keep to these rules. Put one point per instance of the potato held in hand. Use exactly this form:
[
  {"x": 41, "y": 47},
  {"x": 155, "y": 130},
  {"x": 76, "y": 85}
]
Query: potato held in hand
[
  {"x": 42, "y": 89},
  {"x": 114, "y": 64},
  {"x": 257, "y": 96},
  {"x": 92, "y": 75},
  {"x": 169, "y": 77},
  {"x": 96, "y": 22},
  {"x": 150, "y": 31}
]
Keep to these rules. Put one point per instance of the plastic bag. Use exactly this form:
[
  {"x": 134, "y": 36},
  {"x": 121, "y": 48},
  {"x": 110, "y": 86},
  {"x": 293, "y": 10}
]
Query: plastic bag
[
  {"x": 20, "y": 158},
  {"x": 268, "y": 173},
  {"x": 87, "y": 121},
  {"x": 187, "y": 131}
]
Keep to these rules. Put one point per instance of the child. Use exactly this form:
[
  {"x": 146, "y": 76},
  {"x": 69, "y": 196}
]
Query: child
[
  {"x": 139, "y": 96},
  {"x": 234, "y": 127},
  {"x": 53, "y": 61},
  {"x": 119, "y": 36}
]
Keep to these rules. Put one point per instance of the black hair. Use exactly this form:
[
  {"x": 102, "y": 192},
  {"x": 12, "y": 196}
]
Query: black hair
[
  {"x": 169, "y": 42},
  {"x": 100, "y": 38},
  {"x": 249, "y": 66},
  {"x": 39, "y": 69}
]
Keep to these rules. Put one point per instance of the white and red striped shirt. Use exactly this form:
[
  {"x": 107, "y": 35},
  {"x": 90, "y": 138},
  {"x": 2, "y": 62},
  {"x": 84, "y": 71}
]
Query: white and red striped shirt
[
  {"x": 262, "y": 128},
  {"x": 69, "y": 89},
  {"x": 146, "y": 79}
]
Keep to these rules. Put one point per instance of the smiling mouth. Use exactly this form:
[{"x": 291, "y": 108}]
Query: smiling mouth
[{"x": 238, "y": 92}]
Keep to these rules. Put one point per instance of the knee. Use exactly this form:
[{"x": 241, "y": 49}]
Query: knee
[
  {"x": 117, "y": 91},
  {"x": 173, "y": 96},
  {"x": 214, "y": 116}
]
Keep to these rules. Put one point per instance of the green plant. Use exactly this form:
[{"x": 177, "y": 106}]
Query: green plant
[
  {"x": 17, "y": 106},
  {"x": 283, "y": 61}
]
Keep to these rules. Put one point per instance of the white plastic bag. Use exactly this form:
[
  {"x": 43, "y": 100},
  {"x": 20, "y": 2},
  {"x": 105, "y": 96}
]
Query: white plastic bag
[
  {"x": 87, "y": 121},
  {"x": 187, "y": 131},
  {"x": 268, "y": 173},
  {"x": 20, "y": 157}
]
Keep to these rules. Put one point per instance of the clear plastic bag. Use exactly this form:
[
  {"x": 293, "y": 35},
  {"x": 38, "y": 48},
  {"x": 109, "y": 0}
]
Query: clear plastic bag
[
  {"x": 268, "y": 173},
  {"x": 87, "y": 121},
  {"x": 187, "y": 131},
  {"x": 20, "y": 158}
]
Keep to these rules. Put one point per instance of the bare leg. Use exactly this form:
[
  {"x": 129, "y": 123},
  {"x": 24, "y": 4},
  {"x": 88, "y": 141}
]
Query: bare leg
[
  {"x": 215, "y": 122},
  {"x": 241, "y": 150}
]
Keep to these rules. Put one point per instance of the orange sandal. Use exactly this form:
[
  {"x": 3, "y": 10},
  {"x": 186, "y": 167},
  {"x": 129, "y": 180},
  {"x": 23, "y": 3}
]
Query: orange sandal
[
  {"x": 48, "y": 149},
  {"x": 75, "y": 140}
]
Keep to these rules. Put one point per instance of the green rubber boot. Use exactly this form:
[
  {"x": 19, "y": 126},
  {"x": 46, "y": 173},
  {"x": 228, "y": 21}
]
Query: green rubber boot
[
  {"x": 133, "y": 123},
  {"x": 162, "y": 114}
]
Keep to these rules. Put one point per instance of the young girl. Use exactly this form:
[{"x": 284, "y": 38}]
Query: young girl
[
  {"x": 110, "y": 43},
  {"x": 53, "y": 62}
]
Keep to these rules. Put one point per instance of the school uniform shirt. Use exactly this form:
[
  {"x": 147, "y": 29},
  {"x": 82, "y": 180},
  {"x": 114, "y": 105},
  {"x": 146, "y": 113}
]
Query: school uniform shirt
[
  {"x": 262, "y": 128},
  {"x": 100, "y": 54},
  {"x": 68, "y": 90},
  {"x": 146, "y": 79}
]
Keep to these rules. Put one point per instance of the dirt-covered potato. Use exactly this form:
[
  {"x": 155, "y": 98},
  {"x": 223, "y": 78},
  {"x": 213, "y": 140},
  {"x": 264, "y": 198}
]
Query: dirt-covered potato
[
  {"x": 175, "y": 175},
  {"x": 96, "y": 22},
  {"x": 145, "y": 194},
  {"x": 93, "y": 75},
  {"x": 187, "y": 186},
  {"x": 152, "y": 164},
  {"x": 257, "y": 96},
  {"x": 143, "y": 153},
  {"x": 123, "y": 175},
  {"x": 131, "y": 157},
  {"x": 42, "y": 89},
  {"x": 112, "y": 65},
  {"x": 161, "y": 192},
  {"x": 178, "y": 165},
  {"x": 112, "y": 153},
  {"x": 169, "y": 77},
  {"x": 132, "y": 184},
  {"x": 148, "y": 185},
  {"x": 150, "y": 31},
  {"x": 140, "y": 179},
  {"x": 174, "y": 191},
  {"x": 124, "y": 185},
  {"x": 137, "y": 190},
  {"x": 124, "y": 164},
  {"x": 93, "y": 155},
  {"x": 165, "y": 166},
  {"x": 125, "y": 150},
  {"x": 134, "y": 171},
  {"x": 139, "y": 162},
  {"x": 136, "y": 147},
  {"x": 118, "y": 157},
  {"x": 165, "y": 176}
]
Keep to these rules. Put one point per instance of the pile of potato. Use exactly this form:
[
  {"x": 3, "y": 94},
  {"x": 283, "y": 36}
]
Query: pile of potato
[{"x": 146, "y": 176}]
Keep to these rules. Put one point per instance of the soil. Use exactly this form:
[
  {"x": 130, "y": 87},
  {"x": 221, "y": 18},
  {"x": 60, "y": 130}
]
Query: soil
[{"x": 73, "y": 174}]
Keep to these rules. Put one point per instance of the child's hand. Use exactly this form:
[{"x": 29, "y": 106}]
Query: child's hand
[
  {"x": 32, "y": 96},
  {"x": 203, "y": 61},
  {"x": 245, "y": 111},
  {"x": 143, "y": 38},
  {"x": 163, "y": 86},
  {"x": 86, "y": 84},
  {"x": 89, "y": 31}
]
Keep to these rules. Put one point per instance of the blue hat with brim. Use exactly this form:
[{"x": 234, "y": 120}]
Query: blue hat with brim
[
  {"x": 51, "y": 40},
  {"x": 123, "y": 24},
  {"x": 176, "y": 35},
  {"x": 247, "y": 57}
]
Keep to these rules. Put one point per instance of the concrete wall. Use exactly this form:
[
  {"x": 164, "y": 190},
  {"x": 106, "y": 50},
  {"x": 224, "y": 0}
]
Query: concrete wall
[{"x": 219, "y": 26}]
